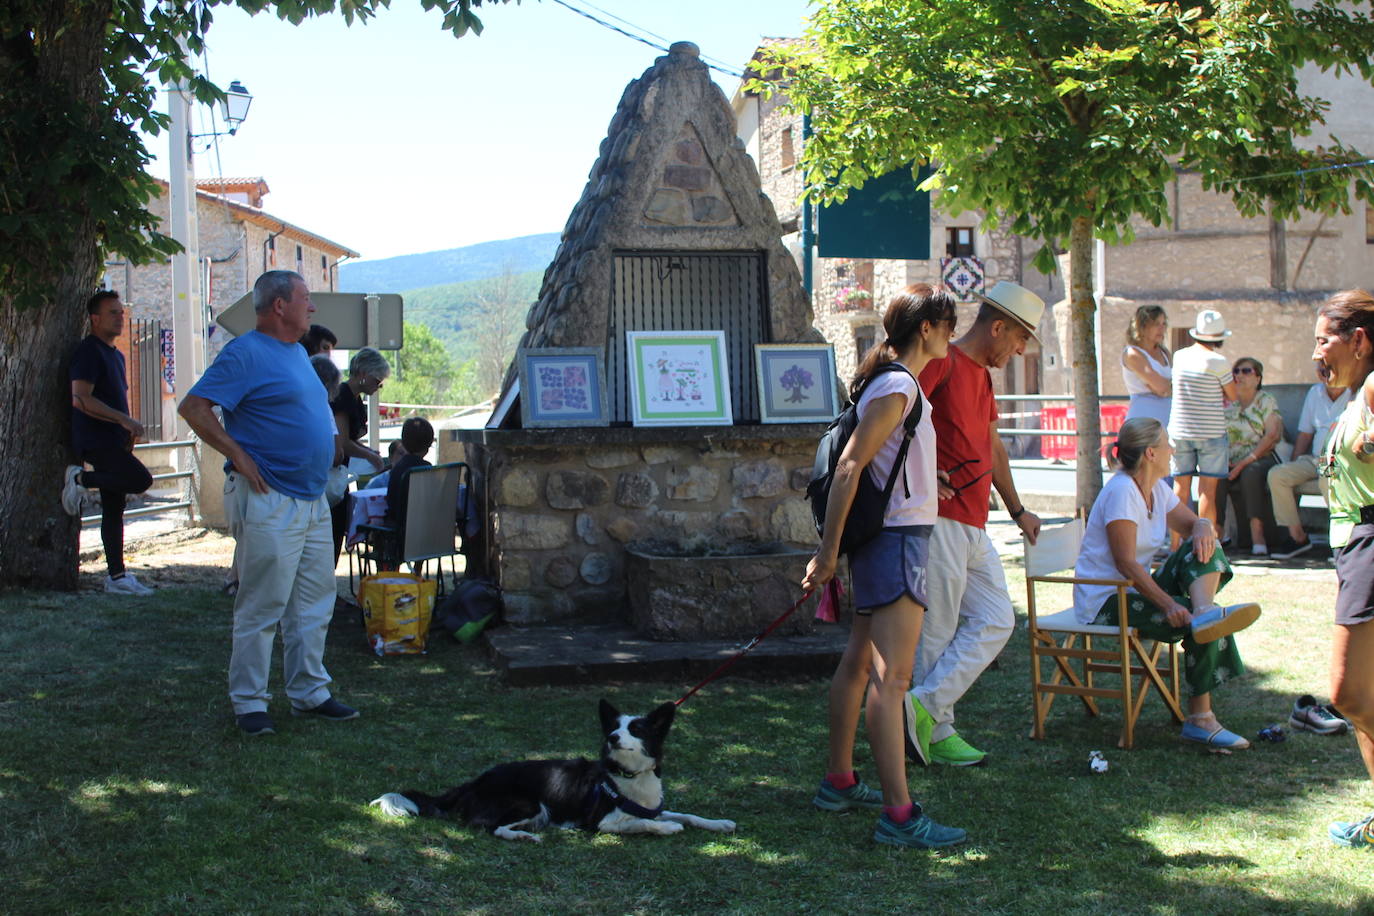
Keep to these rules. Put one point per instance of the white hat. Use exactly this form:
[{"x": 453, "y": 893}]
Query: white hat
[
  {"x": 1210, "y": 327},
  {"x": 1018, "y": 302}
]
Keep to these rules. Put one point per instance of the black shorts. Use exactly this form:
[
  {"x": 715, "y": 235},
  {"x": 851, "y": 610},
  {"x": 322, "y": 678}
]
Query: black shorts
[{"x": 1355, "y": 573}]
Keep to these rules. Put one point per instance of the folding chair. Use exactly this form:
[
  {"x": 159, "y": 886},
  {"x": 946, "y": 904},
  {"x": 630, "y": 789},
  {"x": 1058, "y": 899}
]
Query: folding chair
[
  {"x": 434, "y": 518},
  {"x": 1058, "y": 636}
]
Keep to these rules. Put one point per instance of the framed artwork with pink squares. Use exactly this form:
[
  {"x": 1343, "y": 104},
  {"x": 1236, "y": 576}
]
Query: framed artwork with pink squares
[{"x": 562, "y": 387}]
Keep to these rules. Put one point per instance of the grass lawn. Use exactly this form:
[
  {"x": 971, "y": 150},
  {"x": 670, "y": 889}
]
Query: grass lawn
[{"x": 125, "y": 787}]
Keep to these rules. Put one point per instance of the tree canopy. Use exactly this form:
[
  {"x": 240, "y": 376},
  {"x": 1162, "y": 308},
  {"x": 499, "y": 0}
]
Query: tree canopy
[{"x": 1066, "y": 119}]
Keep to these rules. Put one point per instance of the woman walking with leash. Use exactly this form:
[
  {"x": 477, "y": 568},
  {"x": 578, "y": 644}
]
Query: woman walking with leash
[
  {"x": 1345, "y": 357},
  {"x": 889, "y": 571}
]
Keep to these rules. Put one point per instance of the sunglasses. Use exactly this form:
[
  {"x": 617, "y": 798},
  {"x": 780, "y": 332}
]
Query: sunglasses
[
  {"x": 960, "y": 466},
  {"x": 1246, "y": 370},
  {"x": 1326, "y": 465}
]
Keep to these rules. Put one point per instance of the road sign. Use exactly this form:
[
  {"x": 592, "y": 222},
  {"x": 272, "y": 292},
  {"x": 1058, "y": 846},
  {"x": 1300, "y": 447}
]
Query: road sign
[{"x": 345, "y": 314}]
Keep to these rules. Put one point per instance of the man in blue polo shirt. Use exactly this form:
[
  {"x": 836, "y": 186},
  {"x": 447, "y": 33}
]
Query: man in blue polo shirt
[
  {"x": 278, "y": 437},
  {"x": 103, "y": 436}
]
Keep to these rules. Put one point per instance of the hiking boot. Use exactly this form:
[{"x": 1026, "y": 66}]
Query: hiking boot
[
  {"x": 331, "y": 710},
  {"x": 72, "y": 491},
  {"x": 920, "y": 832},
  {"x": 917, "y": 725},
  {"x": 1354, "y": 834},
  {"x": 253, "y": 724},
  {"x": 126, "y": 585},
  {"x": 1311, "y": 716},
  {"x": 1213, "y": 623},
  {"x": 859, "y": 795},
  {"x": 955, "y": 752}
]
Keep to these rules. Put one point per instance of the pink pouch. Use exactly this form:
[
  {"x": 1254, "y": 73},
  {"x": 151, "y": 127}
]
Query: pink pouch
[{"x": 827, "y": 609}]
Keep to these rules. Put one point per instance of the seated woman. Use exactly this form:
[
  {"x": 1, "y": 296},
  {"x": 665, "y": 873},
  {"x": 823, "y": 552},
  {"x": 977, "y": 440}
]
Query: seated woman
[
  {"x": 1128, "y": 522},
  {"x": 1254, "y": 427}
]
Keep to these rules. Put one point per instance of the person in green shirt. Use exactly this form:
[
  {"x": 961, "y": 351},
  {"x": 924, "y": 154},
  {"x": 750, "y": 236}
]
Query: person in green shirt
[{"x": 1345, "y": 356}]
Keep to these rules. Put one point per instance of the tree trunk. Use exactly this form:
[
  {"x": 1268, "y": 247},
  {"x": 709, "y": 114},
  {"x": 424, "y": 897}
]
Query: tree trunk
[
  {"x": 1082, "y": 309},
  {"x": 38, "y": 541}
]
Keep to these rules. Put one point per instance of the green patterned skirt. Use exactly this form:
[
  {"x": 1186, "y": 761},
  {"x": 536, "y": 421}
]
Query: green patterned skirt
[{"x": 1205, "y": 665}]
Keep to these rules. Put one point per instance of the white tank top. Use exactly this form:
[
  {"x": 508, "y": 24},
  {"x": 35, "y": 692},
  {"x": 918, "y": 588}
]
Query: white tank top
[{"x": 1134, "y": 383}]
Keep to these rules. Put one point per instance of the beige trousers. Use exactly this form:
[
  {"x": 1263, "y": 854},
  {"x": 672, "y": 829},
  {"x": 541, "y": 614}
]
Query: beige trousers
[
  {"x": 1284, "y": 480},
  {"x": 286, "y": 577}
]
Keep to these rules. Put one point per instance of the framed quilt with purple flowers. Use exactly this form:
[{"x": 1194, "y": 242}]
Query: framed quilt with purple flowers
[
  {"x": 796, "y": 383},
  {"x": 562, "y": 387}
]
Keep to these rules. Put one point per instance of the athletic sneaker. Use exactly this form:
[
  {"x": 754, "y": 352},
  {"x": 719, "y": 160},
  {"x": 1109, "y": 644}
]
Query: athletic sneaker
[
  {"x": 1213, "y": 623},
  {"x": 1259, "y": 550},
  {"x": 859, "y": 795},
  {"x": 1355, "y": 834},
  {"x": 1290, "y": 549},
  {"x": 72, "y": 491},
  {"x": 920, "y": 832},
  {"x": 955, "y": 752},
  {"x": 331, "y": 710},
  {"x": 253, "y": 724},
  {"x": 917, "y": 725},
  {"x": 126, "y": 585},
  {"x": 1310, "y": 716}
]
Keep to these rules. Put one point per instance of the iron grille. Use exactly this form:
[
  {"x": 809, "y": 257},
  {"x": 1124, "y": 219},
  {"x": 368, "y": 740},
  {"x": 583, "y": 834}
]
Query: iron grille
[
  {"x": 145, "y": 376},
  {"x": 689, "y": 291}
]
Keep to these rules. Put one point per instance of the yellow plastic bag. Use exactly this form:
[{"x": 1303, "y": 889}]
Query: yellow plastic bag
[{"x": 396, "y": 609}]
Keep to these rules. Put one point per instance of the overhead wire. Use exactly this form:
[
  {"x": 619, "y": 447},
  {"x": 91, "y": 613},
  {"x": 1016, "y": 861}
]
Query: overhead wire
[{"x": 658, "y": 47}]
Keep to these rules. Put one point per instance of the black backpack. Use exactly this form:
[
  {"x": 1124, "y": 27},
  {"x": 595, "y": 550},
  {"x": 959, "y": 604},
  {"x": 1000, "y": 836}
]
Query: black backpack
[{"x": 865, "y": 519}]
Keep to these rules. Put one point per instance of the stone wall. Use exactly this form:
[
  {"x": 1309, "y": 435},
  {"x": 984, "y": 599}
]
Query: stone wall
[{"x": 563, "y": 504}]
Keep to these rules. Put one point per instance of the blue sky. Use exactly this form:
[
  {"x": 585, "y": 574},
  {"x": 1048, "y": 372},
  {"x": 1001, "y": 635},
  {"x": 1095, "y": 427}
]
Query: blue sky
[{"x": 394, "y": 137}]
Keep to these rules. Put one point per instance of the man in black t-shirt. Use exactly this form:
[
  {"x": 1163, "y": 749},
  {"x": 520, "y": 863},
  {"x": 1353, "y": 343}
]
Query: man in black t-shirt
[{"x": 103, "y": 436}]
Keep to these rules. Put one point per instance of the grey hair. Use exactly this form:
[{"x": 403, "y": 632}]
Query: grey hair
[
  {"x": 271, "y": 286},
  {"x": 368, "y": 361},
  {"x": 329, "y": 373},
  {"x": 1135, "y": 436}
]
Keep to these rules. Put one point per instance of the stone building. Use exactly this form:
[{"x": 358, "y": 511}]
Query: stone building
[
  {"x": 238, "y": 241},
  {"x": 1267, "y": 278}
]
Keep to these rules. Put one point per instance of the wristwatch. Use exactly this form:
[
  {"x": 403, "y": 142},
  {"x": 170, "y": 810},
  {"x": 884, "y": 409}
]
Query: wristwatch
[{"x": 1366, "y": 447}]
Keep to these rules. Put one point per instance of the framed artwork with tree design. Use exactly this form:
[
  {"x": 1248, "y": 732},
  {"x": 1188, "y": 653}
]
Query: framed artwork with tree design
[{"x": 796, "y": 383}]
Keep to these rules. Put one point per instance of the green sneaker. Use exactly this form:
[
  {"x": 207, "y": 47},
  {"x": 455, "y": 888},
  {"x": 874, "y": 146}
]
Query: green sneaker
[
  {"x": 859, "y": 795},
  {"x": 955, "y": 752},
  {"x": 1356, "y": 834},
  {"x": 918, "y": 725},
  {"x": 920, "y": 832}
]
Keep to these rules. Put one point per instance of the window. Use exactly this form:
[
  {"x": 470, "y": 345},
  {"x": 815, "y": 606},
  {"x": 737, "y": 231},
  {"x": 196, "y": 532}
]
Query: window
[
  {"x": 789, "y": 155},
  {"x": 864, "y": 339},
  {"x": 959, "y": 242}
]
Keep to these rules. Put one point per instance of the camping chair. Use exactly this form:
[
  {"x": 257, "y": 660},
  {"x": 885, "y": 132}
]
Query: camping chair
[
  {"x": 433, "y": 524},
  {"x": 1057, "y": 637}
]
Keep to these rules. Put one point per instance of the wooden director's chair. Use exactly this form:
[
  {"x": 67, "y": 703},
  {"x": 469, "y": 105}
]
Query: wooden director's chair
[{"x": 1069, "y": 644}]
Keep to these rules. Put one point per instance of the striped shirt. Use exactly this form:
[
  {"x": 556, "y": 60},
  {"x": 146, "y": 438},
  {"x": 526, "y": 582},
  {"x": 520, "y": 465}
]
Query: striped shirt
[{"x": 1198, "y": 411}]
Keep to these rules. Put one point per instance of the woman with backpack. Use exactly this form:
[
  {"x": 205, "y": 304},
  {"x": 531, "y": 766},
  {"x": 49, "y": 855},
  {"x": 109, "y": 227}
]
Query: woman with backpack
[{"x": 888, "y": 571}]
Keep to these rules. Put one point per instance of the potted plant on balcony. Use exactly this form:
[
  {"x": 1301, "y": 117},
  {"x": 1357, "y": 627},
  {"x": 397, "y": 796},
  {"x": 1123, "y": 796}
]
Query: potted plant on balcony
[{"x": 853, "y": 299}]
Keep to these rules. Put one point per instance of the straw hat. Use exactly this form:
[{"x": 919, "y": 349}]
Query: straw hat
[
  {"x": 1210, "y": 326},
  {"x": 1018, "y": 302}
]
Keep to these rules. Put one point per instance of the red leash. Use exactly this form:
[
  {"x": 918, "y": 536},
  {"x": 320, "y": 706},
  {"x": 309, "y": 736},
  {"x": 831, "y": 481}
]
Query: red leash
[{"x": 742, "y": 652}]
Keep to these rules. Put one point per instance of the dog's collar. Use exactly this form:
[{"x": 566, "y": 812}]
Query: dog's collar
[{"x": 607, "y": 788}]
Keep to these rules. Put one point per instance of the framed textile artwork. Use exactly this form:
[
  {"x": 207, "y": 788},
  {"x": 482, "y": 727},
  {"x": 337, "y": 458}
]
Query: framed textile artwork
[
  {"x": 796, "y": 383},
  {"x": 562, "y": 387},
  {"x": 678, "y": 378}
]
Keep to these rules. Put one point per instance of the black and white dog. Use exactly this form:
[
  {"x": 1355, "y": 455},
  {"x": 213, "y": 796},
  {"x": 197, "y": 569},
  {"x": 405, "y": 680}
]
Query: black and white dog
[{"x": 620, "y": 793}]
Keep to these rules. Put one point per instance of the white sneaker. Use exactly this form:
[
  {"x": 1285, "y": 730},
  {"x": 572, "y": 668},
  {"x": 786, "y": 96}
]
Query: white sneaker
[
  {"x": 72, "y": 491},
  {"x": 1259, "y": 550},
  {"x": 126, "y": 585}
]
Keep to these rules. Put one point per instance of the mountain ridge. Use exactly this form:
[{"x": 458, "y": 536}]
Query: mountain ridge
[{"x": 451, "y": 265}]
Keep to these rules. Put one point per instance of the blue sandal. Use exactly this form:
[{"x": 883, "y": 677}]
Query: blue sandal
[{"x": 1218, "y": 739}]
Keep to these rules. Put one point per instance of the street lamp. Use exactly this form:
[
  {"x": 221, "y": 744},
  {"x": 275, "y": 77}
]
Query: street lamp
[{"x": 236, "y": 102}]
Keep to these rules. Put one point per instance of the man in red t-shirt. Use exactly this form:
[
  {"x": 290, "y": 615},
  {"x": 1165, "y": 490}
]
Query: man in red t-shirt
[{"x": 970, "y": 616}]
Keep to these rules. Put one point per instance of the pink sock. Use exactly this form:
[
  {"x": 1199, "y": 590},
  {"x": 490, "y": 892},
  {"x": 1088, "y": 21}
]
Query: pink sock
[
  {"x": 842, "y": 781},
  {"x": 900, "y": 814}
]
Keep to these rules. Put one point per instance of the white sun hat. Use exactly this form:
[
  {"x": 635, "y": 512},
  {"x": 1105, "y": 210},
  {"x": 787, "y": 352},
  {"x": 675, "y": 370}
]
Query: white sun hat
[{"x": 1018, "y": 302}]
